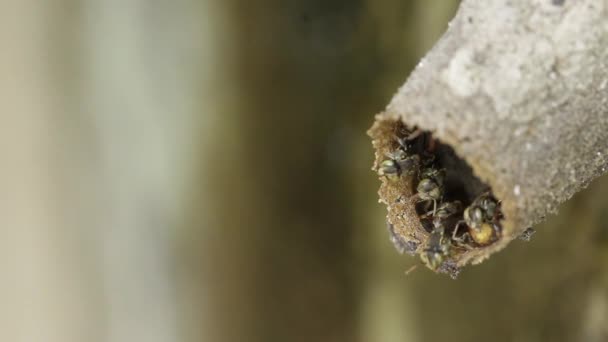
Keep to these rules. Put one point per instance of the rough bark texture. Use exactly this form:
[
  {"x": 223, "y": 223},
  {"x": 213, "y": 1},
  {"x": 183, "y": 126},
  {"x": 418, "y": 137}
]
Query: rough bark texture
[{"x": 518, "y": 90}]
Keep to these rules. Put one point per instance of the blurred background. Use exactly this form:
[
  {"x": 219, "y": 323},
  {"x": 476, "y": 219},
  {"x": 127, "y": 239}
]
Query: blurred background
[{"x": 199, "y": 171}]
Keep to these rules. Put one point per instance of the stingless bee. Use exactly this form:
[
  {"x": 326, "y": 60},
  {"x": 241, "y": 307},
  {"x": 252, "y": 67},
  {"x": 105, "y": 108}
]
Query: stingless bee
[
  {"x": 483, "y": 209},
  {"x": 481, "y": 217},
  {"x": 437, "y": 247},
  {"x": 400, "y": 161},
  {"x": 430, "y": 187}
]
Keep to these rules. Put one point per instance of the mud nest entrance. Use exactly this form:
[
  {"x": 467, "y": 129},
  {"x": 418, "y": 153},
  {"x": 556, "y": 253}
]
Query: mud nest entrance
[{"x": 437, "y": 208}]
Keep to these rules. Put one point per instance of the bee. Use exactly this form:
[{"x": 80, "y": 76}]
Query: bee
[
  {"x": 430, "y": 187},
  {"x": 445, "y": 210},
  {"x": 389, "y": 168},
  {"x": 400, "y": 161},
  {"x": 437, "y": 247},
  {"x": 483, "y": 209},
  {"x": 399, "y": 164},
  {"x": 481, "y": 217},
  {"x": 406, "y": 136}
]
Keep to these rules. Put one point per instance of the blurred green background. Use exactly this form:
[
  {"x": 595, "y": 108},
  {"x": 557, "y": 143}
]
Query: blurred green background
[{"x": 199, "y": 171}]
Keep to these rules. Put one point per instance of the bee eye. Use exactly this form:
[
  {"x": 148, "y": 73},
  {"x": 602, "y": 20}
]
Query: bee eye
[
  {"x": 478, "y": 214},
  {"x": 426, "y": 185},
  {"x": 388, "y": 167}
]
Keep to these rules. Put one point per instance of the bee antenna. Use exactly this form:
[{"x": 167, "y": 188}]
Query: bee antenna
[
  {"x": 401, "y": 141},
  {"x": 411, "y": 269},
  {"x": 415, "y": 134}
]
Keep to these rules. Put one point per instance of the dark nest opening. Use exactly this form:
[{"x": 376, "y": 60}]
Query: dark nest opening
[{"x": 437, "y": 207}]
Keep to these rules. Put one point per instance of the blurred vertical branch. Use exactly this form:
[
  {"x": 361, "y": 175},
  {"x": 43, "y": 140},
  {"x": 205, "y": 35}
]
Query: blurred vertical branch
[
  {"x": 48, "y": 289},
  {"x": 98, "y": 103},
  {"x": 284, "y": 272},
  {"x": 387, "y": 312},
  {"x": 290, "y": 223},
  {"x": 141, "y": 75}
]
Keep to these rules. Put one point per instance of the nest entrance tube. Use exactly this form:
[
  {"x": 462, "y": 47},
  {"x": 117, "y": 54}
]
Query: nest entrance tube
[
  {"x": 526, "y": 109},
  {"x": 437, "y": 207}
]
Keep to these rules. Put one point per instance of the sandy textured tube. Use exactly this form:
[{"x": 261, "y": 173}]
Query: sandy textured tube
[{"x": 519, "y": 90}]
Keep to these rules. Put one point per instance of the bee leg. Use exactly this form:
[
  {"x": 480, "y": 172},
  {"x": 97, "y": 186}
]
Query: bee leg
[
  {"x": 411, "y": 269},
  {"x": 415, "y": 134},
  {"x": 414, "y": 198},
  {"x": 401, "y": 141},
  {"x": 427, "y": 202},
  {"x": 427, "y": 205},
  {"x": 456, "y": 230},
  {"x": 497, "y": 230},
  {"x": 462, "y": 241},
  {"x": 428, "y": 214}
]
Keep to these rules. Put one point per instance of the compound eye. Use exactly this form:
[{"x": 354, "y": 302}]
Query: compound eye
[
  {"x": 426, "y": 185},
  {"x": 489, "y": 205},
  {"x": 388, "y": 167},
  {"x": 436, "y": 192},
  {"x": 400, "y": 155},
  {"x": 477, "y": 215}
]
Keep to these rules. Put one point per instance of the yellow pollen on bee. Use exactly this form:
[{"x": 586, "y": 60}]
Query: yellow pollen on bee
[{"x": 483, "y": 235}]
